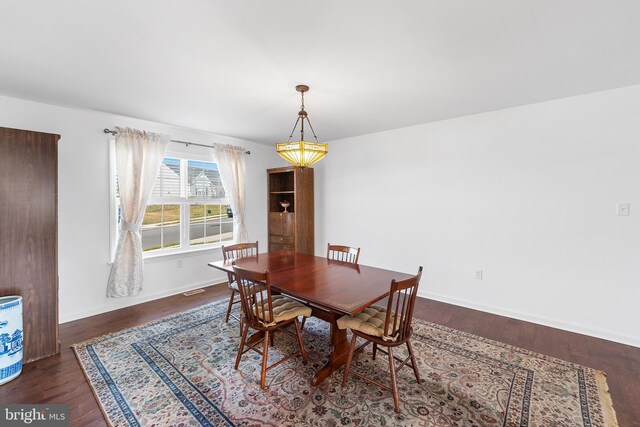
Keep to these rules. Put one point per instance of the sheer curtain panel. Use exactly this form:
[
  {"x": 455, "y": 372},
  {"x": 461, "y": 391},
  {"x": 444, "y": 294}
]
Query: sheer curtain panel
[
  {"x": 231, "y": 164},
  {"x": 138, "y": 157}
]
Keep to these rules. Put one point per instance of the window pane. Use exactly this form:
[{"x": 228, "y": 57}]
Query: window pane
[
  {"x": 212, "y": 230},
  {"x": 227, "y": 223},
  {"x": 209, "y": 224},
  {"x": 151, "y": 230},
  {"x": 219, "y": 226},
  {"x": 168, "y": 181},
  {"x": 204, "y": 180},
  {"x": 161, "y": 227},
  {"x": 170, "y": 226},
  {"x": 196, "y": 225}
]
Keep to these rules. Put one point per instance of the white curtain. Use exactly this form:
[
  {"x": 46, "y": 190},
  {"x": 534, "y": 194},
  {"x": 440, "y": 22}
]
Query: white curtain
[
  {"x": 231, "y": 166},
  {"x": 138, "y": 158}
]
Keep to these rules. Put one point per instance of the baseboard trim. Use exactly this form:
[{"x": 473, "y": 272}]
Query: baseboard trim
[
  {"x": 129, "y": 302},
  {"x": 527, "y": 317}
]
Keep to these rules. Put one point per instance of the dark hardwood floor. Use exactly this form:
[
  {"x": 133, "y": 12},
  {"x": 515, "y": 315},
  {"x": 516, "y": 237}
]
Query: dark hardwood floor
[{"x": 59, "y": 379}]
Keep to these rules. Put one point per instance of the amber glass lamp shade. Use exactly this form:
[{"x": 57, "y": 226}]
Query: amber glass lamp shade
[{"x": 302, "y": 153}]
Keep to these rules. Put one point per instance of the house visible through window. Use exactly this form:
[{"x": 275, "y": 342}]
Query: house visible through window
[
  {"x": 187, "y": 208},
  {"x": 210, "y": 218}
]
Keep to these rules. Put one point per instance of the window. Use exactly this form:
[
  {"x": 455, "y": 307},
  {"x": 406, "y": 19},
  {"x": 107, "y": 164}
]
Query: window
[
  {"x": 161, "y": 223},
  {"x": 210, "y": 217},
  {"x": 187, "y": 209}
]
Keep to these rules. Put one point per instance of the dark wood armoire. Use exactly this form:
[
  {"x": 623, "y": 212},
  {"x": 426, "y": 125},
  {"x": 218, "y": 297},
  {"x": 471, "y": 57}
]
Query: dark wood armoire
[
  {"x": 29, "y": 234},
  {"x": 291, "y": 228}
]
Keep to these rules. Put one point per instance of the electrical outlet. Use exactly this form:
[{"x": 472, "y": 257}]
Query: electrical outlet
[
  {"x": 624, "y": 209},
  {"x": 179, "y": 263},
  {"x": 478, "y": 274}
]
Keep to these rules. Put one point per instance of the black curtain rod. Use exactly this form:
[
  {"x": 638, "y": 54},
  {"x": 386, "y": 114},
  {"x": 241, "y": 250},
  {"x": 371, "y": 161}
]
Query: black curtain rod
[{"x": 114, "y": 133}]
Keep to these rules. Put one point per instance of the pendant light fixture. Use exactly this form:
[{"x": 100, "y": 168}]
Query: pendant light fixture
[{"x": 302, "y": 153}]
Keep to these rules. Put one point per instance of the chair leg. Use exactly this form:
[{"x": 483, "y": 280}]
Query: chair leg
[
  {"x": 300, "y": 343},
  {"x": 347, "y": 367},
  {"x": 375, "y": 350},
  {"x": 304, "y": 319},
  {"x": 233, "y": 294},
  {"x": 245, "y": 329},
  {"x": 413, "y": 361},
  {"x": 394, "y": 382},
  {"x": 265, "y": 350},
  {"x": 272, "y": 338}
]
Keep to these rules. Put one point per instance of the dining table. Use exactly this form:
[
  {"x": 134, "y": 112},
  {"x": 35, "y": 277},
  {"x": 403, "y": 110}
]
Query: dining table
[{"x": 331, "y": 288}]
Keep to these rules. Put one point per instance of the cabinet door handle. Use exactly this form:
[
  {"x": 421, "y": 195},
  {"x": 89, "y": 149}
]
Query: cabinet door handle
[{"x": 281, "y": 240}]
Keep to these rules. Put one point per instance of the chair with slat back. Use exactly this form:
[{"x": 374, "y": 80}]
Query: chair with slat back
[
  {"x": 266, "y": 313},
  {"x": 340, "y": 253},
  {"x": 343, "y": 253},
  {"x": 232, "y": 253},
  {"x": 387, "y": 327}
]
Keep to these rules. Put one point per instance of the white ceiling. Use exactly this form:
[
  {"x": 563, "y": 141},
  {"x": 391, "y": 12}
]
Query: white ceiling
[{"x": 230, "y": 67}]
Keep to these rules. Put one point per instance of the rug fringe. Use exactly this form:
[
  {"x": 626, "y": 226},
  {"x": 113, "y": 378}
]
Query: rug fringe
[
  {"x": 610, "y": 419},
  {"x": 93, "y": 389},
  {"x": 75, "y": 346},
  {"x": 608, "y": 412}
]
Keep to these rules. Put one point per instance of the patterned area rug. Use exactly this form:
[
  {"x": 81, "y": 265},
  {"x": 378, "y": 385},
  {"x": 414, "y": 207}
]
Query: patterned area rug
[{"x": 179, "y": 371}]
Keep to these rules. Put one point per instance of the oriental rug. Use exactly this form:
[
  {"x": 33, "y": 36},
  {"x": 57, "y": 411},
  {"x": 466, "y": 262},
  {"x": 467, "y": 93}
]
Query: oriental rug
[{"x": 178, "y": 371}]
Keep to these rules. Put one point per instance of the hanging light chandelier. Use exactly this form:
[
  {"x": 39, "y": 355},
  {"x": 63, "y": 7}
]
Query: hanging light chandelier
[{"x": 302, "y": 153}]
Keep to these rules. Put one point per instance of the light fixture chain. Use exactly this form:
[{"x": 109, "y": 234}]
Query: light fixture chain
[
  {"x": 294, "y": 128},
  {"x": 312, "y": 131},
  {"x": 303, "y": 116}
]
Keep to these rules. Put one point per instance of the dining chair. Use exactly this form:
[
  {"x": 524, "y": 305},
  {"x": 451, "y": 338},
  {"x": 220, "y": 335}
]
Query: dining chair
[
  {"x": 340, "y": 253},
  {"x": 232, "y": 253},
  {"x": 267, "y": 313},
  {"x": 343, "y": 253},
  {"x": 387, "y": 327}
]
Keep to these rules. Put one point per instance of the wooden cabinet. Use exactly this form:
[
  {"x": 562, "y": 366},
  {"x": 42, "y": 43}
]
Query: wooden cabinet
[
  {"x": 282, "y": 224},
  {"x": 291, "y": 230},
  {"x": 29, "y": 234}
]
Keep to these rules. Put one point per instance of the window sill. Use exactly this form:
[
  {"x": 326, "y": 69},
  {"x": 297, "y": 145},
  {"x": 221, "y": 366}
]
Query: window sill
[{"x": 180, "y": 253}]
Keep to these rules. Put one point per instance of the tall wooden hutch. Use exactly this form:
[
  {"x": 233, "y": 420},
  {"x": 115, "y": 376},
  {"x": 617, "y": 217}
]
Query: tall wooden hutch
[
  {"x": 291, "y": 229},
  {"x": 29, "y": 234}
]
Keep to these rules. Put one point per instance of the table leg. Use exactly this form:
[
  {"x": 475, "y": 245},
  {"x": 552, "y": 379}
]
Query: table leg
[{"x": 339, "y": 344}]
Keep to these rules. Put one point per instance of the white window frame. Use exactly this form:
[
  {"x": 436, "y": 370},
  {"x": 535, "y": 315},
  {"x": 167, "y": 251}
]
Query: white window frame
[{"x": 183, "y": 201}]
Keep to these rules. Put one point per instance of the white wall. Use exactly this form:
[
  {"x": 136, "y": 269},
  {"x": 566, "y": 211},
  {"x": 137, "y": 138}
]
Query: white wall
[
  {"x": 526, "y": 194},
  {"x": 83, "y": 206}
]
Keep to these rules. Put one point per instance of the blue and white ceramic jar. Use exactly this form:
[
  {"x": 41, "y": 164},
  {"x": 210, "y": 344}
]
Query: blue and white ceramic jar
[{"x": 10, "y": 338}]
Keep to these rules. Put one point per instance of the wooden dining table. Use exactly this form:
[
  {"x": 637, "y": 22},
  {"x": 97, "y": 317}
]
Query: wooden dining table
[{"x": 331, "y": 288}]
